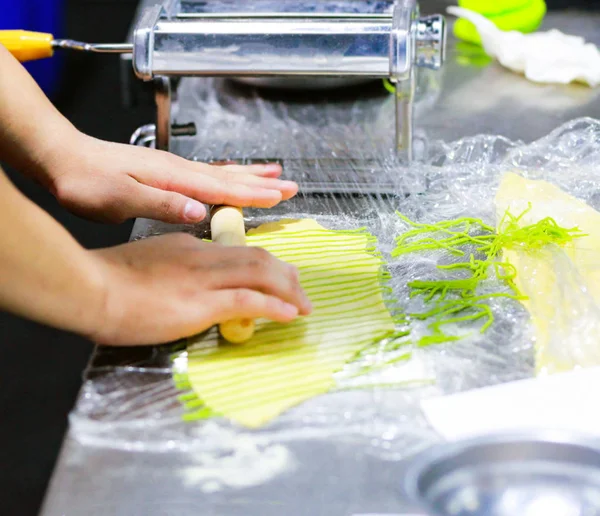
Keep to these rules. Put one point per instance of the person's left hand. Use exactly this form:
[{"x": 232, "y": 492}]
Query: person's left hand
[{"x": 115, "y": 182}]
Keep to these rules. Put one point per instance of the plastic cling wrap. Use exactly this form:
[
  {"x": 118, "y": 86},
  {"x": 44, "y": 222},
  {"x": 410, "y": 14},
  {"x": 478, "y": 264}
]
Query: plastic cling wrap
[
  {"x": 129, "y": 400},
  {"x": 561, "y": 281}
]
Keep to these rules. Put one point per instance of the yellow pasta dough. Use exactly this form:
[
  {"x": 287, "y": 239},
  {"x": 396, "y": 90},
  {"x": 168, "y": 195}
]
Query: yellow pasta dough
[
  {"x": 562, "y": 284},
  {"x": 283, "y": 365}
]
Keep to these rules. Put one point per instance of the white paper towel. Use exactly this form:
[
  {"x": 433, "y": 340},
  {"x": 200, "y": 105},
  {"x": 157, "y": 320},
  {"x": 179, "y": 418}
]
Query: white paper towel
[
  {"x": 543, "y": 57},
  {"x": 566, "y": 401}
]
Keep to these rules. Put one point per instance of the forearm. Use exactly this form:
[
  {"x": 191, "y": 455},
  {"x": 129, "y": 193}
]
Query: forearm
[
  {"x": 45, "y": 275},
  {"x": 33, "y": 133}
]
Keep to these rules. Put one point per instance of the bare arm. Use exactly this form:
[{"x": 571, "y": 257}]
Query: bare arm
[
  {"x": 32, "y": 131},
  {"x": 147, "y": 292},
  {"x": 114, "y": 182},
  {"x": 45, "y": 274},
  {"x": 152, "y": 291}
]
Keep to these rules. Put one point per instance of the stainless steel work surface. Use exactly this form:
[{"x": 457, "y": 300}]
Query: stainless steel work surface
[{"x": 114, "y": 461}]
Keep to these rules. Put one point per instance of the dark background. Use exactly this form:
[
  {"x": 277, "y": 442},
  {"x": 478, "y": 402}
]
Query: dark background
[{"x": 41, "y": 368}]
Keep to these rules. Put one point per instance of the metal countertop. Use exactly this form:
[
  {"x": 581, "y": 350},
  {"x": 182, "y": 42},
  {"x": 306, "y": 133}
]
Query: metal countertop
[{"x": 325, "y": 479}]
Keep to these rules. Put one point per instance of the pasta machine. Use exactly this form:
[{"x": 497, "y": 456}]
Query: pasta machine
[
  {"x": 350, "y": 39},
  {"x": 231, "y": 38}
]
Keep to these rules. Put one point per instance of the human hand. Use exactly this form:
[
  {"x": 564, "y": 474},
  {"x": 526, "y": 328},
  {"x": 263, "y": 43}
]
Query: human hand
[
  {"x": 113, "y": 182},
  {"x": 521, "y": 15},
  {"x": 172, "y": 286}
]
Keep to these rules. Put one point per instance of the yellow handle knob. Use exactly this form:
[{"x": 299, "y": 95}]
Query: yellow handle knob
[{"x": 27, "y": 46}]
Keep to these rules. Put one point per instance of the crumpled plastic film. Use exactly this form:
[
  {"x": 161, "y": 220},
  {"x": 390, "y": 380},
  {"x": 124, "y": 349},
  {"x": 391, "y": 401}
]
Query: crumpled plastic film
[{"x": 129, "y": 400}]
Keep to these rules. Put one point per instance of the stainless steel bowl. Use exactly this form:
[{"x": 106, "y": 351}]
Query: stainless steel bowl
[{"x": 542, "y": 474}]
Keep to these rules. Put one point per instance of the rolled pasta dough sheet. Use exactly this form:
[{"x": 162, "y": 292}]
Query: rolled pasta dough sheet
[
  {"x": 562, "y": 283},
  {"x": 286, "y": 364}
]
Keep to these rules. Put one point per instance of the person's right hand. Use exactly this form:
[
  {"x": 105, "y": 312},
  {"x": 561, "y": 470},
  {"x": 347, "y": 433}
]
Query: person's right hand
[{"x": 168, "y": 287}]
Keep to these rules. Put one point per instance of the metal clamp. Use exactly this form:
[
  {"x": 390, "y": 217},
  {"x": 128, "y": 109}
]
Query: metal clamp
[
  {"x": 430, "y": 42},
  {"x": 143, "y": 42}
]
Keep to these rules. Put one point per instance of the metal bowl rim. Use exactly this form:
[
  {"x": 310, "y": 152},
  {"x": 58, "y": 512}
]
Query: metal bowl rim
[{"x": 444, "y": 451}]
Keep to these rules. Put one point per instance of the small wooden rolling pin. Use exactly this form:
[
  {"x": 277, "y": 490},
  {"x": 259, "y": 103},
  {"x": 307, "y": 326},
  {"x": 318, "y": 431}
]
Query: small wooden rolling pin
[{"x": 227, "y": 228}]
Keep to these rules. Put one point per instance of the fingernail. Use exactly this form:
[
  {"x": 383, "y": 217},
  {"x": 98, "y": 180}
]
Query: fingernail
[
  {"x": 194, "y": 210},
  {"x": 290, "y": 310},
  {"x": 288, "y": 184},
  {"x": 307, "y": 305},
  {"x": 272, "y": 167}
]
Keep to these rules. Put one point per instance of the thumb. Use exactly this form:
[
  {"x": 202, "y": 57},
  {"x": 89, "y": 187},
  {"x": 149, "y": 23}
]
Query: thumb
[{"x": 166, "y": 206}]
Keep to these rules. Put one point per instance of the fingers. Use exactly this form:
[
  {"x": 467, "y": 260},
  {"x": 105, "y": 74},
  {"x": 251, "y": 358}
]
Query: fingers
[
  {"x": 172, "y": 207},
  {"x": 287, "y": 188},
  {"x": 244, "y": 186},
  {"x": 267, "y": 170},
  {"x": 188, "y": 286},
  {"x": 263, "y": 170},
  {"x": 216, "y": 267},
  {"x": 250, "y": 304},
  {"x": 256, "y": 269},
  {"x": 233, "y": 183},
  {"x": 211, "y": 190},
  {"x": 229, "y": 192}
]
